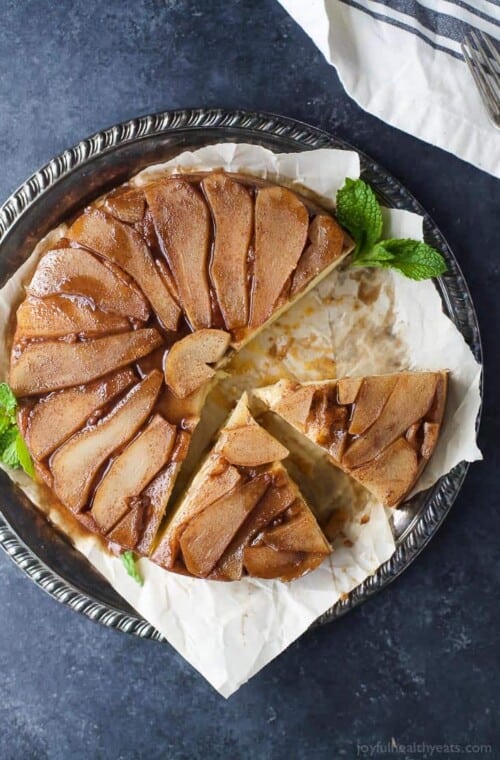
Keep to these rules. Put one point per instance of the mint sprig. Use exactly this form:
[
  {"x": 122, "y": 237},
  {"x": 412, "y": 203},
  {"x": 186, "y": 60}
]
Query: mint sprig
[
  {"x": 359, "y": 212},
  {"x": 13, "y": 450},
  {"x": 128, "y": 559}
]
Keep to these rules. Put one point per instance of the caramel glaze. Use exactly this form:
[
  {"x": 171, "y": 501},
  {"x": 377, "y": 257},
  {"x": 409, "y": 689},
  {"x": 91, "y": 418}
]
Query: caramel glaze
[{"x": 138, "y": 216}]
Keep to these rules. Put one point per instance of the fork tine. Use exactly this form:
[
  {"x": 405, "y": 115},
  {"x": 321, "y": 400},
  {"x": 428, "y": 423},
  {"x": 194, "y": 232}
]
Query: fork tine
[
  {"x": 491, "y": 47},
  {"x": 487, "y": 66},
  {"x": 477, "y": 74}
]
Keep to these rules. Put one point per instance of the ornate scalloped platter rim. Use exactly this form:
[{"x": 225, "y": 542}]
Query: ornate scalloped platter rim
[{"x": 112, "y": 155}]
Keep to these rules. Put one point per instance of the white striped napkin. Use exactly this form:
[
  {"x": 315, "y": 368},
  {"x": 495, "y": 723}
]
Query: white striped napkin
[{"x": 401, "y": 60}]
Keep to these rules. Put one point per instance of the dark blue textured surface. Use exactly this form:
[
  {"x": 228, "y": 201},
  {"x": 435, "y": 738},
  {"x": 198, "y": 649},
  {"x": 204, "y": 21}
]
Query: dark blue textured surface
[{"x": 419, "y": 662}]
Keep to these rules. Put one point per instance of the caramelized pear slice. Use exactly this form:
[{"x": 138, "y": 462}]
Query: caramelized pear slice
[
  {"x": 183, "y": 226},
  {"x": 281, "y": 223},
  {"x": 127, "y": 206},
  {"x": 409, "y": 401},
  {"x": 209, "y": 533},
  {"x": 74, "y": 271},
  {"x": 128, "y": 531},
  {"x": 295, "y": 405},
  {"x": 391, "y": 474},
  {"x": 61, "y": 414},
  {"x": 370, "y": 400},
  {"x": 186, "y": 366},
  {"x": 250, "y": 446},
  {"x": 213, "y": 487},
  {"x": 43, "y": 367},
  {"x": 273, "y": 503},
  {"x": 300, "y": 533},
  {"x": 264, "y": 562},
  {"x": 232, "y": 209},
  {"x": 157, "y": 495},
  {"x": 56, "y": 316},
  {"x": 75, "y": 464},
  {"x": 124, "y": 246},
  {"x": 326, "y": 246},
  {"x": 348, "y": 389},
  {"x": 131, "y": 472}
]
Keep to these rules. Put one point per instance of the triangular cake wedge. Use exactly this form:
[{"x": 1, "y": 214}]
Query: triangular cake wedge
[
  {"x": 242, "y": 514},
  {"x": 381, "y": 429}
]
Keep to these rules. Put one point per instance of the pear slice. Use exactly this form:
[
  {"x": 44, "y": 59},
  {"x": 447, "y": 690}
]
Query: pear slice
[
  {"x": 291, "y": 401},
  {"x": 55, "y": 418},
  {"x": 183, "y": 226},
  {"x": 326, "y": 245},
  {"x": 186, "y": 365},
  {"x": 127, "y": 206},
  {"x": 157, "y": 494},
  {"x": 124, "y": 246},
  {"x": 56, "y": 316},
  {"x": 391, "y": 474},
  {"x": 273, "y": 503},
  {"x": 300, "y": 533},
  {"x": 264, "y": 562},
  {"x": 75, "y": 464},
  {"x": 209, "y": 533},
  {"x": 250, "y": 446},
  {"x": 281, "y": 224},
  {"x": 205, "y": 489},
  {"x": 74, "y": 271},
  {"x": 409, "y": 401},
  {"x": 128, "y": 531},
  {"x": 348, "y": 389},
  {"x": 232, "y": 209},
  {"x": 370, "y": 400},
  {"x": 51, "y": 365},
  {"x": 131, "y": 472}
]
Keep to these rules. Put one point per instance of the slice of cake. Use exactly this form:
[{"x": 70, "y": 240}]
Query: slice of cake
[
  {"x": 381, "y": 429},
  {"x": 242, "y": 514}
]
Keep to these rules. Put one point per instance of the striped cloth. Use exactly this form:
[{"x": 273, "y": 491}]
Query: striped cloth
[{"x": 401, "y": 60}]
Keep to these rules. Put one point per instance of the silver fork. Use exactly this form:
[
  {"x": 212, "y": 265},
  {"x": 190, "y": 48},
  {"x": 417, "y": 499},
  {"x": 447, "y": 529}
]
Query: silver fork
[{"x": 483, "y": 60}]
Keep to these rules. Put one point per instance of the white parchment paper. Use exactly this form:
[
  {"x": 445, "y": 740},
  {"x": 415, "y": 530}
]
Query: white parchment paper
[{"x": 355, "y": 321}]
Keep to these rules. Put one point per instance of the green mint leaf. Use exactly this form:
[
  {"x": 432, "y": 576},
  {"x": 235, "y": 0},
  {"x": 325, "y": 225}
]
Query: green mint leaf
[
  {"x": 5, "y": 421},
  {"x": 128, "y": 559},
  {"x": 8, "y": 402},
  {"x": 13, "y": 450},
  {"x": 8, "y": 447},
  {"x": 412, "y": 258},
  {"x": 7, "y": 439},
  {"x": 359, "y": 212},
  {"x": 23, "y": 456}
]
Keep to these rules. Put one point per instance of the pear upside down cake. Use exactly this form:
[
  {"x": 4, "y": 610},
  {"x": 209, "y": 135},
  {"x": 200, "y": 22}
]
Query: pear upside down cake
[{"x": 125, "y": 323}]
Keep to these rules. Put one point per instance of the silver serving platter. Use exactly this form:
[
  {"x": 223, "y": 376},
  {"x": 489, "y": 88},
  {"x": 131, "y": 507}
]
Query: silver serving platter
[{"x": 94, "y": 166}]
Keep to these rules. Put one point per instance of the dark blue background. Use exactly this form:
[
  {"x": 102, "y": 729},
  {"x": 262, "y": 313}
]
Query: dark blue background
[{"x": 419, "y": 662}]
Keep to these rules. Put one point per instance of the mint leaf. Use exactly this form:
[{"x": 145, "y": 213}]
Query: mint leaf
[
  {"x": 359, "y": 212},
  {"x": 9, "y": 454},
  {"x": 13, "y": 450},
  {"x": 8, "y": 402},
  {"x": 23, "y": 456},
  {"x": 7, "y": 441},
  {"x": 412, "y": 258},
  {"x": 128, "y": 559}
]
